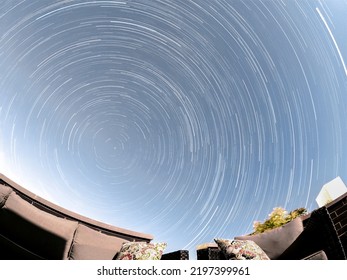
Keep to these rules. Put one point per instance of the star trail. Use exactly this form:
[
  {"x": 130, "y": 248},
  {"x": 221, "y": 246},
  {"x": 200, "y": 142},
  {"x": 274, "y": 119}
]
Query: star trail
[{"x": 188, "y": 120}]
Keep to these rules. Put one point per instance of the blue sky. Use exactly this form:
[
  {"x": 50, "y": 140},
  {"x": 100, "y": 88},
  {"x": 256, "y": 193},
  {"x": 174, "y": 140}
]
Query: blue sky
[{"x": 188, "y": 120}]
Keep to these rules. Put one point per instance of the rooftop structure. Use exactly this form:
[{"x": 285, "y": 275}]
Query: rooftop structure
[{"x": 331, "y": 191}]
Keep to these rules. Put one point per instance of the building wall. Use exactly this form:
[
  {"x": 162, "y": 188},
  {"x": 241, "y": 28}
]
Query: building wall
[{"x": 338, "y": 214}]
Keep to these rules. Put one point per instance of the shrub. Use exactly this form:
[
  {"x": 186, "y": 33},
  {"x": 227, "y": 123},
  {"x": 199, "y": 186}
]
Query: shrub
[{"x": 277, "y": 218}]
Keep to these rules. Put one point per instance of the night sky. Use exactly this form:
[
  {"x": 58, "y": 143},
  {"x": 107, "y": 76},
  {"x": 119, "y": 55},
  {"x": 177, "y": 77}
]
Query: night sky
[{"x": 184, "y": 119}]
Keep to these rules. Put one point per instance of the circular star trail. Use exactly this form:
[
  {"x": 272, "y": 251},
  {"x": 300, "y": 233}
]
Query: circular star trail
[{"x": 184, "y": 119}]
